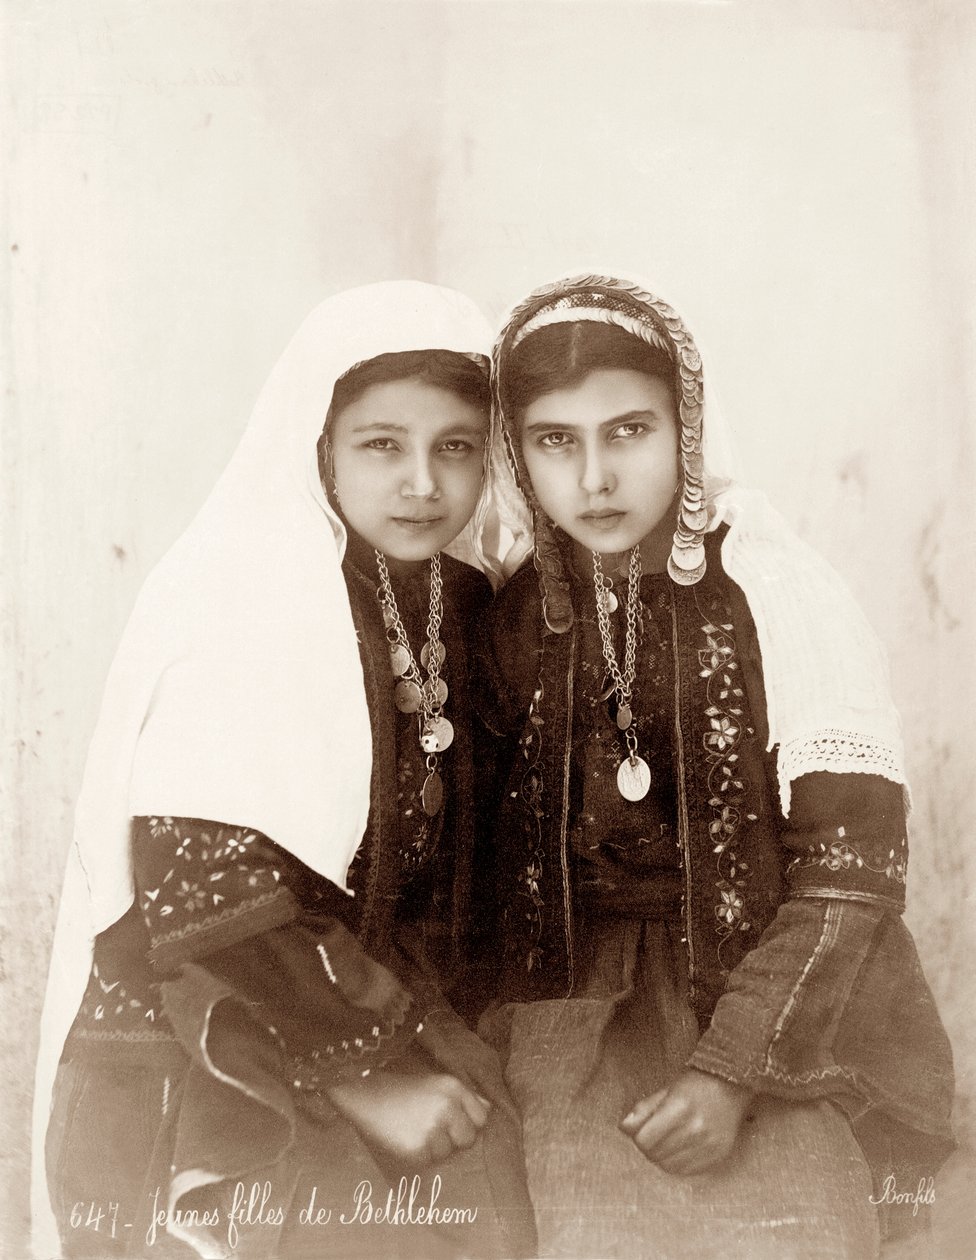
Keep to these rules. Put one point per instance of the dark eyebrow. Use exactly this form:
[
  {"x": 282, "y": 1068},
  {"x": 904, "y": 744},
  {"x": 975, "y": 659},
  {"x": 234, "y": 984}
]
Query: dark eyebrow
[
  {"x": 627, "y": 417},
  {"x": 379, "y": 426},
  {"x": 382, "y": 426}
]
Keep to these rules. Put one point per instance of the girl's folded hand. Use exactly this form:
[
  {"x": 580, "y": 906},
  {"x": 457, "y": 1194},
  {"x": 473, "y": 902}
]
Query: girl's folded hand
[
  {"x": 690, "y": 1126},
  {"x": 418, "y": 1119}
]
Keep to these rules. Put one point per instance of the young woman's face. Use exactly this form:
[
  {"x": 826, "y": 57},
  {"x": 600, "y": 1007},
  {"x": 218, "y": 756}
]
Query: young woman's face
[
  {"x": 408, "y": 462},
  {"x": 603, "y": 458}
]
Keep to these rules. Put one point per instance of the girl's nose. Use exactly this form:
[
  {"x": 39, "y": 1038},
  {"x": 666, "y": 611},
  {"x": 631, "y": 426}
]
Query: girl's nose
[
  {"x": 595, "y": 476},
  {"x": 421, "y": 482}
]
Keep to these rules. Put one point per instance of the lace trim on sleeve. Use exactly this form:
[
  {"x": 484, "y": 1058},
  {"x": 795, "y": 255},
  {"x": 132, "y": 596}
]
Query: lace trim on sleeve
[{"x": 841, "y": 752}]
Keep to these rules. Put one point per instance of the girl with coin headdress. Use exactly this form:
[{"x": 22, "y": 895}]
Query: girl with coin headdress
[
  {"x": 246, "y": 1030},
  {"x": 711, "y": 1013}
]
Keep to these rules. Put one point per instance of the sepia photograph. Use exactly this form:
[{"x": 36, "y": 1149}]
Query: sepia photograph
[{"x": 486, "y": 587}]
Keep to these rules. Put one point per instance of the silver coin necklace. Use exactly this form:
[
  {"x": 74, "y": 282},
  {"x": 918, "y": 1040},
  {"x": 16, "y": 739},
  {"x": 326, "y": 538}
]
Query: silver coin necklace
[
  {"x": 633, "y": 773},
  {"x": 412, "y": 692}
]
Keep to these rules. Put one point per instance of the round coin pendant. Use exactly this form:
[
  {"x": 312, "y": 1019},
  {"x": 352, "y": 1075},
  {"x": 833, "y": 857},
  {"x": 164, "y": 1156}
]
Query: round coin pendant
[
  {"x": 399, "y": 659},
  {"x": 624, "y": 718},
  {"x": 432, "y": 794},
  {"x": 633, "y": 778},
  {"x": 389, "y": 621},
  {"x": 612, "y": 602},
  {"x": 406, "y": 696},
  {"x": 438, "y": 735},
  {"x": 440, "y": 691},
  {"x": 425, "y": 654}
]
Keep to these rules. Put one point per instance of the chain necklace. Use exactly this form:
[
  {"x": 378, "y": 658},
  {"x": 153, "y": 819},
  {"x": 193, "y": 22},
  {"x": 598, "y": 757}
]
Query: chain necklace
[
  {"x": 633, "y": 773},
  {"x": 412, "y": 693}
]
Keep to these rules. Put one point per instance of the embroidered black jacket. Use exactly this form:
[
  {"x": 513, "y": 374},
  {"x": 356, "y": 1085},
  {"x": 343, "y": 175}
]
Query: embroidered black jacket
[{"x": 803, "y": 977}]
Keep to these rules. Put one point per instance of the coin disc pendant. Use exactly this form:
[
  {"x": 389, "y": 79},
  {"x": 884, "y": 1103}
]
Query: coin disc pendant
[
  {"x": 633, "y": 778},
  {"x": 440, "y": 691},
  {"x": 399, "y": 659},
  {"x": 432, "y": 793},
  {"x": 437, "y": 735},
  {"x": 406, "y": 696},
  {"x": 624, "y": 717},
  {"x": 611, "y": 601},
  {"x": 425, "y": 654}
]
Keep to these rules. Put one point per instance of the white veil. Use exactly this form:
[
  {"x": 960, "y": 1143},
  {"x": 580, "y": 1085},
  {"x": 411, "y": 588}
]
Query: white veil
[{"x": 236, "y": 692}]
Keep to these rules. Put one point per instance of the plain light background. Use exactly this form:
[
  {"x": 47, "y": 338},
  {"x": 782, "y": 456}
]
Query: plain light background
[{"x": 184, "y": 180}]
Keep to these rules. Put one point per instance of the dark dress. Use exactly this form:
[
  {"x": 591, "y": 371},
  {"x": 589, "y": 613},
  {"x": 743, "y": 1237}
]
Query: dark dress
[
  {"x": 241, "y": 985},
  {"x": 699, "y": 927}
]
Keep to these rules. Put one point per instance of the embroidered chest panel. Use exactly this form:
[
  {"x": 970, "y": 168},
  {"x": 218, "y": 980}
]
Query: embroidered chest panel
[
  {"x": 723, "y": 815},
  {"x": 732, "y": 852}
]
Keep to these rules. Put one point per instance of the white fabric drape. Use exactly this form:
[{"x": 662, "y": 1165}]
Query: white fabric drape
[{"x": 236, "y": 692}]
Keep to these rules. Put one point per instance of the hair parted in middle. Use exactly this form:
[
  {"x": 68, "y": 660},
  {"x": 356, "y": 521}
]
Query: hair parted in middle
[{"x": 603, "y": 314}]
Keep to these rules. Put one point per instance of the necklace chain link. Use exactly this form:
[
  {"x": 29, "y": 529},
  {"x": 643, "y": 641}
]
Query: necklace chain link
[
  {"x": 633, "y": 775},
  {"x": 434, "y": 731},
  {"x": 623, "y": 679},
  {"x": 427, "y": 687}
]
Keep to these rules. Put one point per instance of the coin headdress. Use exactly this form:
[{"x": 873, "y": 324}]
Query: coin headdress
[{"x": 604, "y": 299}]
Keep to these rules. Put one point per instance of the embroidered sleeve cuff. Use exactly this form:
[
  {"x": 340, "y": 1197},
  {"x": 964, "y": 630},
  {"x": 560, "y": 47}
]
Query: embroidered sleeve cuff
[
  {"x": 203, "y": 886},
  {"x": 194, "y": 938},
  {"x": 833, "y": 865},
  {"x": 345, "y": 1058},
  {"x": 846, "y": 837}
]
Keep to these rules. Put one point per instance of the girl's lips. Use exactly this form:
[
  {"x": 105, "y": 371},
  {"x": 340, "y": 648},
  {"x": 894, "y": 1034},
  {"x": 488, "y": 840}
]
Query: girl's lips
[
  {"x": 417, "y": 523},
  {"x": 602, "y": 520}
]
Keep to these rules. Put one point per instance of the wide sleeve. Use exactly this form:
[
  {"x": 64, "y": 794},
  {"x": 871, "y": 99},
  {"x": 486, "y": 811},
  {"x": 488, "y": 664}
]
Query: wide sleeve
[
  {"x": 225, "y": 902},
  {"x": 271, "y": 996},
  {"x": 832, "y": 1002}
]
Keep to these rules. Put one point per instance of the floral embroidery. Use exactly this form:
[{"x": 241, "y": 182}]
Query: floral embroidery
[
  {"x": 418, "y": 833},
  {"x": 217, "y": 869},
  {"x": 236, "y": 844},
  {"x": 841, "y": 855},
  {"x": 729, "y": 910},
  {"x": 531, "y": 795},
  {"x": 117, "y": 1010},
  {"x": 531, "y": 878},
  {"x": 193, "y": 897},
  {"x": 723, "y": 733},
  {"x": 726, "y": 715}
]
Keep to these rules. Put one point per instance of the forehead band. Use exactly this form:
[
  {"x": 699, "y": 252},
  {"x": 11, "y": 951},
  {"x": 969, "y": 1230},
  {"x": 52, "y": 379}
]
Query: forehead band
[{"x": 564, "y": 313}]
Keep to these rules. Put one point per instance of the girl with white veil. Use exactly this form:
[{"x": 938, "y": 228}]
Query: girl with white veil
[{"x": 246, "y": 1030}]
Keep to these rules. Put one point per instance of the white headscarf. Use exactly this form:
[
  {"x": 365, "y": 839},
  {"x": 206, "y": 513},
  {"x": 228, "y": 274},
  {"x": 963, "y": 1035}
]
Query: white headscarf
[
  {"x": 828, "y": 697},
  {"x": 236, "y": 693}
]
